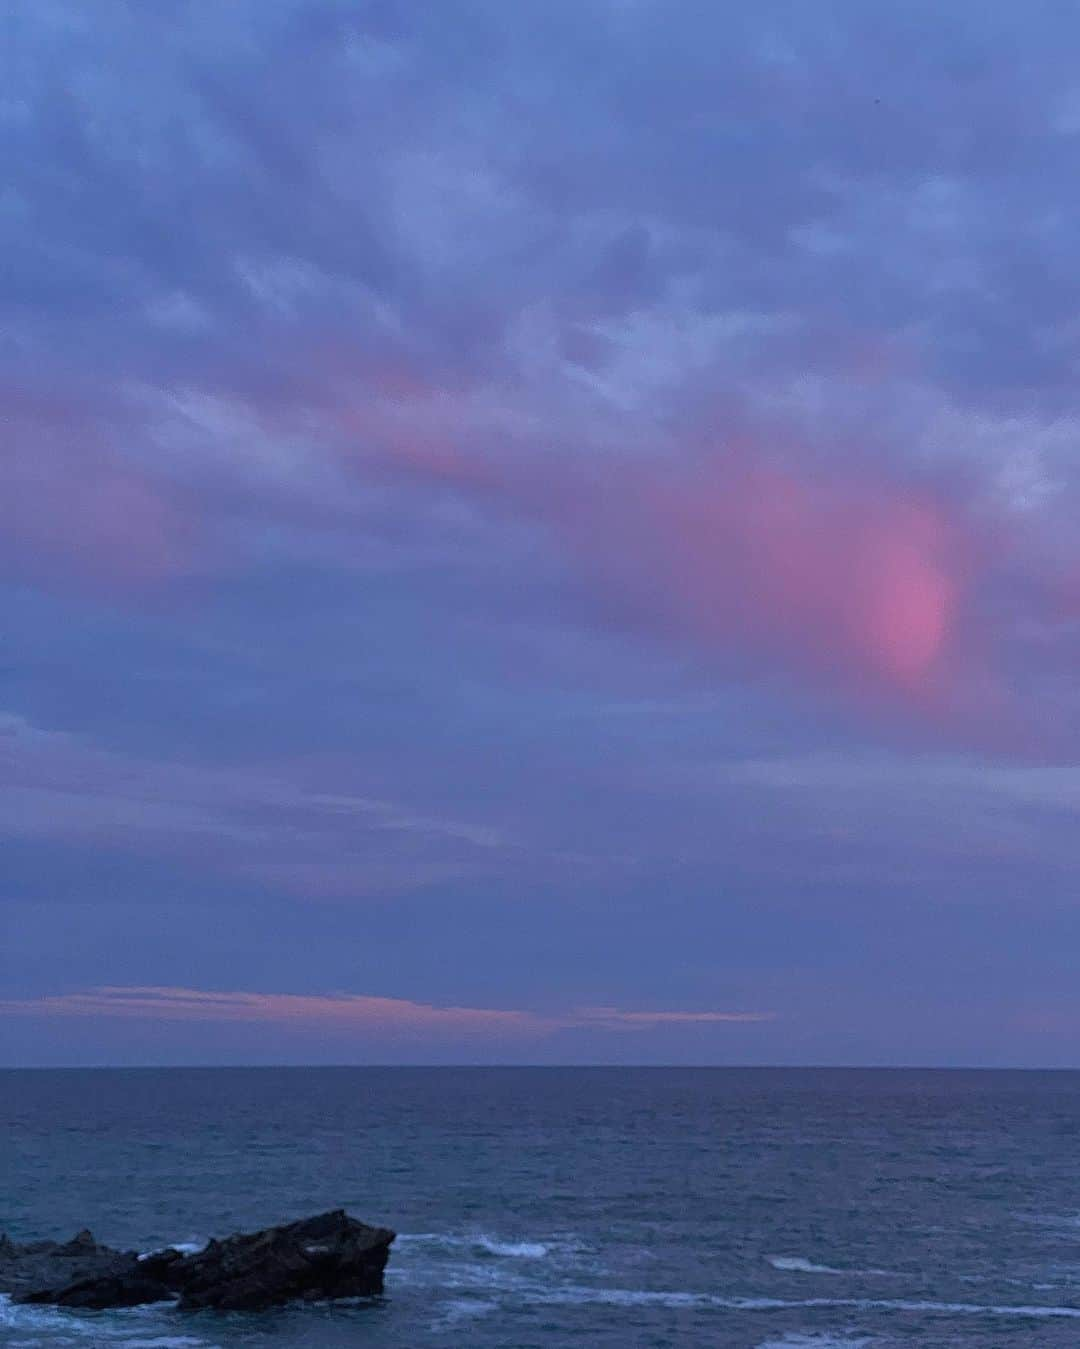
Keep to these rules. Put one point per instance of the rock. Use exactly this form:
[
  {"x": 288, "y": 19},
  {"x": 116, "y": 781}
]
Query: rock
[
  {"x": 128, "y": 1288},
  {"x": 38, "y": 1270},
  {"x": 329, "y": 1256},
  {"x": 325, "y": 1257}
]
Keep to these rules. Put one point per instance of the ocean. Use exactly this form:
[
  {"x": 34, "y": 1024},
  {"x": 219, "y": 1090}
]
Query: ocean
[{"x": 563, "y": 1208}]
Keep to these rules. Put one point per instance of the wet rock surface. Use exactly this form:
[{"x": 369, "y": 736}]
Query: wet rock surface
[{"x": 328, "y": 1256}]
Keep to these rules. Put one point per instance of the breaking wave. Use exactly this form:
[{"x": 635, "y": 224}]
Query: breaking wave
[
  {"x": 72, "y": 1328},
  {"x": 191, "y": 1247},
  {"x": 479, "y": 1242},
  {"x": 799, "y": 1264}
]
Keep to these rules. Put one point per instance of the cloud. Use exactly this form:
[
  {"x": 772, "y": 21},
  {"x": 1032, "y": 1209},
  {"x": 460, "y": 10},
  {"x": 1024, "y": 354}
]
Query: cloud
[
  {"x": 1054, "y": 786},
  {"x": 72, "y": 505},
  {"x": 516, "y": 284},
  {"x": 848, "y": 578},
  {"x": 281, "y": 824},
  {"x": 482, "y": 454},
  {"x": 611, "y": 1018},
  {"x": 902, "y": 815},
  {"x": 394, "y": 1018}
]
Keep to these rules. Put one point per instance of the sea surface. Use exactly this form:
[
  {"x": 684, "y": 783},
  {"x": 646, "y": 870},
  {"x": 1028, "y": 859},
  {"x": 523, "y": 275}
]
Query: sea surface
[{"x": 563, "y": 1208}]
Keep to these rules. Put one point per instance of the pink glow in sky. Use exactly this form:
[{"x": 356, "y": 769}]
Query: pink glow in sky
[
  {"x": 844, "y": 579},
  {"x": 850, "y": 580}
]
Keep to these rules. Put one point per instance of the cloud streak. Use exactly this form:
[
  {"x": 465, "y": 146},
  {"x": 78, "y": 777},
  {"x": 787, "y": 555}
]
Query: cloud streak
[
  {"x": 393, "y": 1018},
  {"x": 276, "y": 824}
]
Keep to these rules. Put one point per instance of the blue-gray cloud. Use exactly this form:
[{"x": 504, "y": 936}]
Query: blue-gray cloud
[{"x": 583, "y": 471}]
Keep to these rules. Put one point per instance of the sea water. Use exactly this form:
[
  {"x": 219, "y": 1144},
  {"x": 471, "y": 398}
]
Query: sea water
[{"x": 750, "y": 1208}]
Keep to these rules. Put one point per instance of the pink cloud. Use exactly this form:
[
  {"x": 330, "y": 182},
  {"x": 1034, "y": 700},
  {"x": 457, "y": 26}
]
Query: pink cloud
[
  {"x": 392, "y": 1017},
  {"x": 848, "y": 577},
  {"x": 855, "y": 580},
  {"x": 345, "y": 1011}
]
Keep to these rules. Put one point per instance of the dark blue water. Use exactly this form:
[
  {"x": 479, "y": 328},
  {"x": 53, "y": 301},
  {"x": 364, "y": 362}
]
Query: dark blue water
[{"x": 569, "y": 1207}]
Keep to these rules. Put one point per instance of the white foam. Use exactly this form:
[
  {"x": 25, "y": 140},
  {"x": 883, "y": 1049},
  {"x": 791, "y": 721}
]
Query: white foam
[
  {"x": 816, "y": 1340},
  {"x": 516, "y": 1250},
  {"x": 512, "y": 1277},
  {"x": 191, "y": 1247},
  {"x": 968, "y": 1308},
  {"x": 462, "y": 1309},
  {"x": 799, "y": 1264},
  {"x": 630, "y": 1297},
  {"x": 61, "y": 1327},
  {"x": 625, "y": 1297},
  {"x": 164, "y": 1342}
]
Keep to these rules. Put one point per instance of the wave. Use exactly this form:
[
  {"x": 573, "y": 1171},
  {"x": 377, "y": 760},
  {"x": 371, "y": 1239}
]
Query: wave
[
  {"x": 630, "y": 1297},
  {"x": 121, "y": 1330},
  {"x": 462, "y": 1309},
  {"x": 161, "y": 1342},
  {"x": 817, "y": 1340},
  {"x": 517, "y": 1250},
  {"x": 510, "y": 1277},
  {"x": 191, "y": 1247},
  {"x": 799, "y": 1264},
  {"x": 479, "y": 1242}
]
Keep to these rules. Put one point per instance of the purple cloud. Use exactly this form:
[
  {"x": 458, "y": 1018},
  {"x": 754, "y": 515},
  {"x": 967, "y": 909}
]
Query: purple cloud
[{"x": 598, "y": 475}]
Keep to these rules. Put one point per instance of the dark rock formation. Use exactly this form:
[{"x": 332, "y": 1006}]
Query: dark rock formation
[
  {"x": 77, "y": 1273},
  {"x": 330, "y": 1256}
]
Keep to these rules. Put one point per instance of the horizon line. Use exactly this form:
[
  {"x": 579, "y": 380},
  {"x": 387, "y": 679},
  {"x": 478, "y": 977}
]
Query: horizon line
[{"x": 548, "y": 1067}]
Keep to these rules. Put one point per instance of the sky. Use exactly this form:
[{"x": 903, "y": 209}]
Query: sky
[{"x": 540, "y": 533}]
